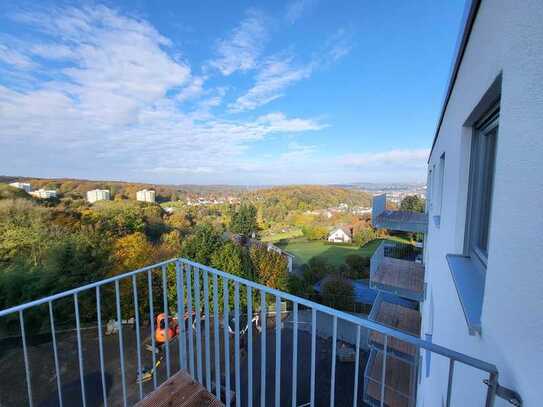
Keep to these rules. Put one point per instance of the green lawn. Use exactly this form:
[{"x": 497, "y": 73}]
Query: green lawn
[
  {"x": 275, "y": 237},
  {"x": 305, "y": 250}
]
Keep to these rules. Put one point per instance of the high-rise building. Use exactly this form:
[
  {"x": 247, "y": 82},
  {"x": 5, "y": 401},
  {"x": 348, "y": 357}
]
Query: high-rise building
[
  {"x": 98, "y": 195},
  {"x": 25, "y": 186},
  {"x": 146, "y": 195},
  {"x": 44, "y": 193}
]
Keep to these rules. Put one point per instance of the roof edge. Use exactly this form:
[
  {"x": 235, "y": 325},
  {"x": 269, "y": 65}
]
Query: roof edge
[{"x": 472, "y": 8}]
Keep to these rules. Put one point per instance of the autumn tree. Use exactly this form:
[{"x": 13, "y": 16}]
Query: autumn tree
[
  {"x": 412, "y": 203},
  {"x": 270, "y": 268},
  {"x": 244, "y": 220}
]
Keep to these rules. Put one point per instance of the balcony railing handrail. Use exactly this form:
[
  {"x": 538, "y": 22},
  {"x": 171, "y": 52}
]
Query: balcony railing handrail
[
  {"x": 54, "y": 297},
  {"x": 451, "y": 354},
  {"x": 420, "y": 343},
  {"x": 189, "y": 267}
]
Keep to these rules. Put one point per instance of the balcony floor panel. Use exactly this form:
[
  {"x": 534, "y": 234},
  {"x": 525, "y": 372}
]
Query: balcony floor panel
[
  {"x": 406, "y": 221},
  {"x": 400, "y": 318},
  {"x": 180, "y": 390},
  {"x": 403, "y": 275},
  {"x": 398, "y": 381}
]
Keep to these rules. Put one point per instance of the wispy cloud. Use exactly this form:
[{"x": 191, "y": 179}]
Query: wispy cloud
[
  {"x": 114, "y": 103},
  {"x": 194, "y": 89},
  {"x": 414, "y": 158},
  {"x": 296, "y": 8},
  {"x": 276, "y": 74},
  {"x": 15, "y": 58},
  {"x": 241, "y": 49},
  {"x": 297, "y": 151}
]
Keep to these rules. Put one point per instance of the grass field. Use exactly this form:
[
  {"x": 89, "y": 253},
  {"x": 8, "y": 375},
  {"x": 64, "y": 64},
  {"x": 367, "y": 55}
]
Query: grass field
[
  {"x": 275, "y": 237},
  {"x": 305, "y": 250}
]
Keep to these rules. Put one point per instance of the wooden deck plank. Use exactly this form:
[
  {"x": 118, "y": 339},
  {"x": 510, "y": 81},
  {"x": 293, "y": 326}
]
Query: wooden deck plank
[
  {"x": 400, "y": 318},
  {"x": 402, "y": 274},
  {"x": 398, "y": 381},
  {"x": 180, "y": 390}
]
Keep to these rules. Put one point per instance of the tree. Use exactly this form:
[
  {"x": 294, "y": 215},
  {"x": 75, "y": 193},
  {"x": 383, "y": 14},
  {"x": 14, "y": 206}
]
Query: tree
[
  {"x": 244, "y": 220},
  {"x": 412, "y": 203},
  {"x": 337, "y": 292},
  {"x": 316, "y": 269},
  {"x": 132, "y": 252},
  {"x": 270, "y": 268},
  {"x": 358, "y": 266},
  {"x": 364, "y": 236},
  {"x": 200, "y": 246},
  {"x": 232, "y": 259},
  {"x": 312, "y": 232}
]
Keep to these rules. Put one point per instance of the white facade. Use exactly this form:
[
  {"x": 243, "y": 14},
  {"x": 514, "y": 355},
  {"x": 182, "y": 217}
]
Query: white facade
[
  {"x": 98, "y": 195},
  {"x": 339, "y": 236},
  {"x": 503, "y": 61},
  {"x": 22, "y": 185},
  {"x": 146, "y": 195},
  {"x": 44, "y": 193}
]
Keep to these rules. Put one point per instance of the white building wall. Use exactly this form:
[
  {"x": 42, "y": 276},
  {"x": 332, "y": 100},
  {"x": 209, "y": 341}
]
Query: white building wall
[
  {"x": 339, "y": 236},
  {"x": 22, "y": 185},
  {"x": 146, "y": 195},
  {"x": 507, "y": 38},
  {"x": 98, "y": 195}
]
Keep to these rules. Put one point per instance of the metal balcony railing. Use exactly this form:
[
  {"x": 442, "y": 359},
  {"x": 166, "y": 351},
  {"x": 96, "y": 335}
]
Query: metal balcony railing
[
  {"x": 397, "y": 268},
  {"x": 405, "y": 221},
  {"x": 246, "y": 343}
]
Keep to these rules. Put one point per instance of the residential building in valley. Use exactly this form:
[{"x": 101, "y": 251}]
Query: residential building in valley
[
  {"x": 98, "y": 195},
  {"x": 146, "y": 195},
  {"x": 25, "y": 186}
]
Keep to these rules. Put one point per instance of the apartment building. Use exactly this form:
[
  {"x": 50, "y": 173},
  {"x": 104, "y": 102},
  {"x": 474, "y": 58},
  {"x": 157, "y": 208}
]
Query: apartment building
[
  {"x": 98, "y": 195},
  {"x": 44, "y": 193},
  {"x": 146, "y": 195},
  {"x": 485, "y": 228},
  {"x": 22, "y": 185}
]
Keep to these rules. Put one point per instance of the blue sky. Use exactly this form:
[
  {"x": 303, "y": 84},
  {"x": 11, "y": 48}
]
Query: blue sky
[{"x": 303, "y": 91}]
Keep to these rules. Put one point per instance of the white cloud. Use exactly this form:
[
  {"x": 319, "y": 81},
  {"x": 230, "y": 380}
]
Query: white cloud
[
  {"x": 276, "y": 74},
  {"x": 241, "y": 49},
  {"x": 297, "y": 152},
  {"x": 408, "y": 158},
  {"x": 295, "y": 9},
  {"x": 15, "y": 58},
  {"x": 113, "y": 107},
  {"x": 193, "y": 90}
]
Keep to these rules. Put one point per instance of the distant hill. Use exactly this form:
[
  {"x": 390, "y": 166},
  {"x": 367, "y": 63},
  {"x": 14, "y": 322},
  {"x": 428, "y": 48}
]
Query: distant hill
[
  {"x": 309, "y": 197},
  {"x": 77, "y": 188},
  {"x": 292, "y": 197}
]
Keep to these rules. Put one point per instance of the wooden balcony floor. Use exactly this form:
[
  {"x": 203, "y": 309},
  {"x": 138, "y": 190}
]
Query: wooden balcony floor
[
  {"x": 401, "y": 318},
  {"x": 402, "y": 274},
  {"x": 398, "y": 381},
  {"x": 180, "y": 390}
]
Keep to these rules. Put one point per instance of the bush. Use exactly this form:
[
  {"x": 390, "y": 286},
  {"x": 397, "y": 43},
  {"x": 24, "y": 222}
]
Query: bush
[
  {"x": 358, "y": 266},
  {"x": 337, "y": 292},
  {"x": 365, "y": 236}
]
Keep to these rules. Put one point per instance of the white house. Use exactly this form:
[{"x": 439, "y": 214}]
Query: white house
[
  {"x": 98, "y": 195},
  {"x": 146, "y": 195},
  {"x": 341, "y": 235},
  {"x": 485, "y": 231},
  {"x": 22, "y": 185},
  {"x": 44, "y": 193}
]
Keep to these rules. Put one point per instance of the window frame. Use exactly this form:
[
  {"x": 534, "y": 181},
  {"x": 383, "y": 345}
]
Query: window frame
[{"x": 481, "y": 167}]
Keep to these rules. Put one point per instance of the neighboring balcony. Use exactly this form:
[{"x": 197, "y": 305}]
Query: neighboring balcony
[
  {"x": 402, "y": 221},
  {"x": 402, "y": 360},
  {"x": 394, "y": 268},
  {"x": 225, "y": 341}
]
